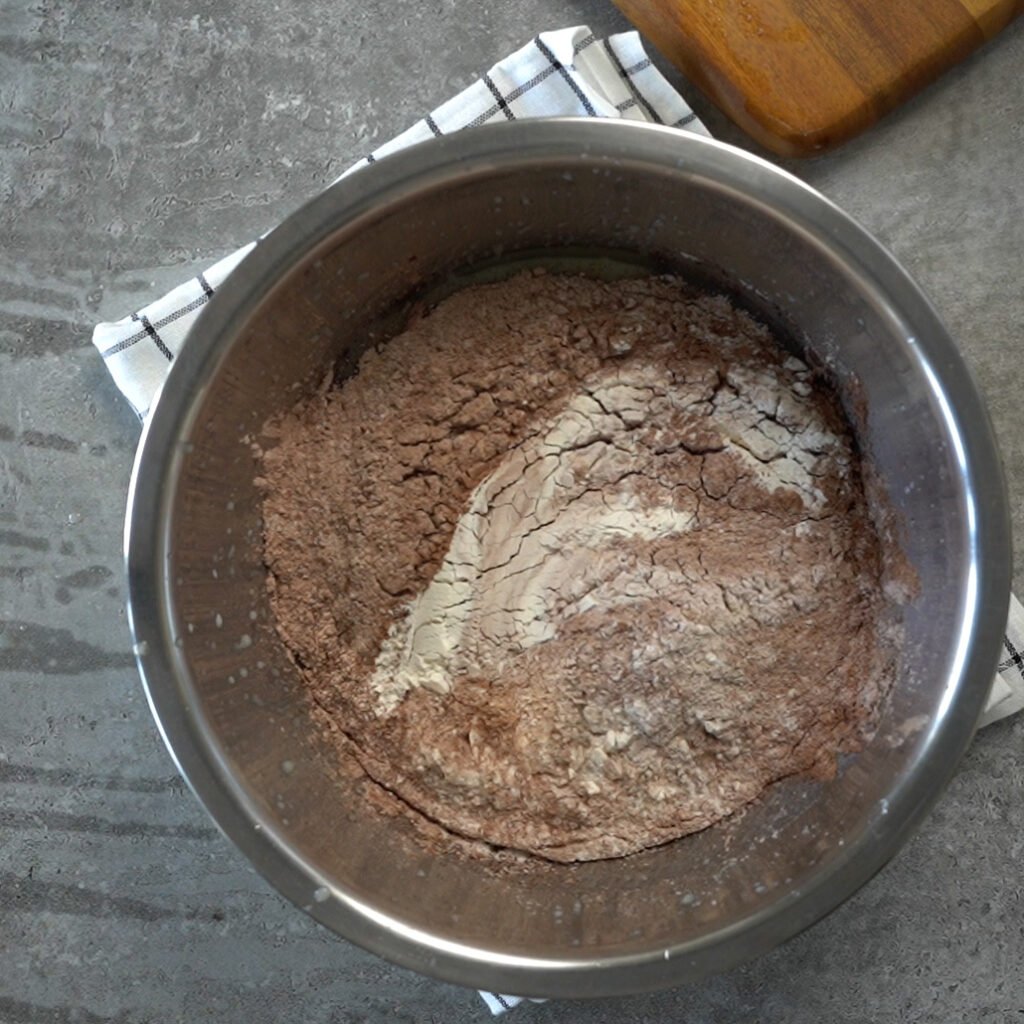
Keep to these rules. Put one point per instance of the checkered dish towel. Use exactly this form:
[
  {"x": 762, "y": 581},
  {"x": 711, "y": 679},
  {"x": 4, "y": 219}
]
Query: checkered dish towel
[{"x": 562, "y": 73}]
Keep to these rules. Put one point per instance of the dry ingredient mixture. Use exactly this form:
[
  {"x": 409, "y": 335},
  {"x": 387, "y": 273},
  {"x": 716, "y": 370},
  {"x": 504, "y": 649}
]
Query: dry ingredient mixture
[{"x": 578, "y": 567}]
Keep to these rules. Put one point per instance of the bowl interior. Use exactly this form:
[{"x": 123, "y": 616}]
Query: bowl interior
[{"x": 347, "y": 290}]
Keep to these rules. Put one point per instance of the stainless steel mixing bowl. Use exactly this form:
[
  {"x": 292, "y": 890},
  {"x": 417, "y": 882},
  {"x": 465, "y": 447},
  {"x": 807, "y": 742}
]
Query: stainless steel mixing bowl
[{"x": 228, "y": 700}]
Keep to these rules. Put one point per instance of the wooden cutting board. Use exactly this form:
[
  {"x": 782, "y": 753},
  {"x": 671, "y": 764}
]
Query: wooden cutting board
[{"x": 801, "y": 76}]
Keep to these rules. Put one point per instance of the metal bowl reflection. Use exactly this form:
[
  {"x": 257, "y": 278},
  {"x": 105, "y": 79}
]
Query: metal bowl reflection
[{"x": 228, "y": 700}]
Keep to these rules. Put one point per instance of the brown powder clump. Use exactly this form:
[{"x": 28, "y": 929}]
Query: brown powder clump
[{"x": 578, "y": 567}]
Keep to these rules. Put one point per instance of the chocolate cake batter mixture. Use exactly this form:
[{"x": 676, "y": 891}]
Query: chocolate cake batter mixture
[{"x": 578, "y": 567}]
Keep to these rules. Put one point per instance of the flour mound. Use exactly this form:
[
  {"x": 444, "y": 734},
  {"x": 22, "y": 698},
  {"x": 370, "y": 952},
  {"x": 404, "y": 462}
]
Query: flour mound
[{"x": 578, "y": 567}]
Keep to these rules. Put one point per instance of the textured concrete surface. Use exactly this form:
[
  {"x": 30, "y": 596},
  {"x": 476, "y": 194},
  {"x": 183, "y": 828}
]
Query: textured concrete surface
[{"x": 140, "y": 140}]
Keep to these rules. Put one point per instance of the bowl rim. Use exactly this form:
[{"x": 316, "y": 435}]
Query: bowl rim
[{"x": 189, "y": 736}]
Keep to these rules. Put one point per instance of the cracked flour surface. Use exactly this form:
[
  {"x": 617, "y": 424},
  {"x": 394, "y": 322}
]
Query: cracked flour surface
[{"x": 578, "y": 567}]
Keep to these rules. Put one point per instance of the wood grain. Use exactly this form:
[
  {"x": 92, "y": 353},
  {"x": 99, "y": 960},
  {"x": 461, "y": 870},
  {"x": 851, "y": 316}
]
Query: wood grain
[{"x": 802, "y": 76}]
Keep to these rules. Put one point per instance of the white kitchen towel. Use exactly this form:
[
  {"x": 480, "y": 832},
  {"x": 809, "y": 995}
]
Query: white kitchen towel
[
  {"x": 1007, "y": 694},
  {"x": 499, "y": 1004},
  {"x": 561, "y": 73}
]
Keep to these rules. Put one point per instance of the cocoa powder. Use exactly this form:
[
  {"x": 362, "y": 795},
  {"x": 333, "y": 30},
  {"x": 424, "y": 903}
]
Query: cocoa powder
[{"x": 578, "y": 567}]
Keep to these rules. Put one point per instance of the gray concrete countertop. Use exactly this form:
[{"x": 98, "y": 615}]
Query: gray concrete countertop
[{"x": 140, "y": 141}]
